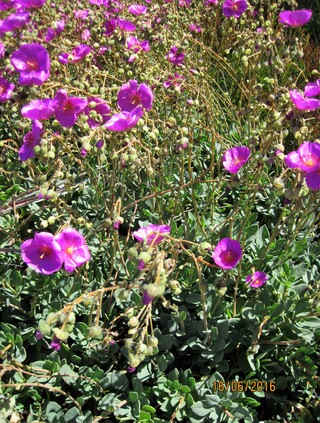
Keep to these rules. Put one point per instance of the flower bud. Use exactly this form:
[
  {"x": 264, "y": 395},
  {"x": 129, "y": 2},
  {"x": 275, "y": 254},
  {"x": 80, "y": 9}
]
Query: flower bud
[
  {"x": 145, "y": 257},
  {"x": 52, "y": 318},
  {"x": 204, "y": 248},
  {"x": 134, "y": 361},
  {"x": 87, "y": 301},
  {"x": 44, "y": 328},
  {"x": 133, "y": 322},
  {"x": 153, "y": 341},
  {"x": 61, "y": 334},
  {"x": 278, "y": 183},
  {"x": 155, "y": 290},
  {"x": 71, "y": 318},
  {"x": 95, "y": 332}
]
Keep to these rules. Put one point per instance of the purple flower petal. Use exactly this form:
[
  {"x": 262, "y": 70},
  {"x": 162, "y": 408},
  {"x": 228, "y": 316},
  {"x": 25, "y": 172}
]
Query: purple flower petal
[
  {"x": 295, "y": 18},
  {"x": 73, "y": 249},
  {"x": 303, "y": 103},
  {"x": 124, "y": 121},
  {"x": 132, "y": 95},
  {"x": 33, "y": 63},
  {"x": 227, "y": 253},
  {"x": 313, "y": 180},
  {"x": 42, "y": 253},
  {"x": 152, "y": 233},
  {"x": 234, "y": 8},
  {"x": 257, "y": 279},
  {"x": 234, "y": 158}
]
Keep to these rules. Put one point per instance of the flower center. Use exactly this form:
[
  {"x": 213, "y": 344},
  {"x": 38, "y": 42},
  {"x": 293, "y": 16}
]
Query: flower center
[
  {"x": 70, "y": 250},
  {"x": 29, "y": 139},
  {"x": 311, "y": 160},
  {"x": 228, "y": 256},
  {"x": 2, "y": 89},
  {"x": 234, "y": 7},
  {"x": 68, "y": 106},
  {"x": 45, "y": 252},
  {"x": 32, "y": 64},
  {"x": 135, "y": 99}
]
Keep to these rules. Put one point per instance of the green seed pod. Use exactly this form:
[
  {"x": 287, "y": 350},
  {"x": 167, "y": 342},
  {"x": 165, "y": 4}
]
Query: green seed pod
[
  {"x": 87, "y": 301},
  {"x": 278, "y": 183},
  {"x": 69, "y": 327},
  {"x": 132, "y": 253},
  {"x": 141, "y": 349},
  {"x": 123, "y": 295},
  {"x": 221, "y": 292},
  {"x": 149, "y": 351},
  {"x": 153, "y": 341},
  {"x": 52, "y": 318},
  {"x": 71, "y": 318},
  {"x": 129, "y": 344},
  {"x": 95, "y": 332},
  {"x": 63, "y": 335},
  {"x": 51, "y": 220},
  {"x": 134, "y": 361},
  {"x": 133, "y": 322},
  {"x": 44, "y": 328},
  {"x": 155, "y": 290},
  {"x": 145, "y": 257},
  {"x": 204, "y": 247}
]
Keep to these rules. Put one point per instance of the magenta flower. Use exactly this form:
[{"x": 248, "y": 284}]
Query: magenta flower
[
  {"x": 153, "y": 234},
  {"x": 39, "y": 109},
  {"x": 30, "y": 140},
  {"x": 110, "y": 27},
  {"x": 86, "y": 34},
  {"x": 42, "y": 253},
  {"x": 74, "y": 250},
  {"x": 56, "y": 344},
  {"x": 77, "y": 54},
  {"x": 194, "y": 28},
  {"x": 54, "y": 32},
  {"x": 27, "y": 4},
  {"x": 175, "y": 56},
  {"x": 312, "y": 89},
  {"x": 33, "y": 63},
  {"x": 234, "y": 8},
  {"x": 14, "y": 21},
  {"x": 137, "y": 9},
  {"x": 306, "y": 158},
  {"x": 313, "y": 180},
  {"x": 210, "y": 3},
  {"x": 174, "y": 81},
  {"x": 100, "y": 107},
  {"x": 68, "y": 108},
  {"x": 234, "y": 158},
  {"x": 257, "y": 279},
  {"x": 132, "y": 95},
  {"x": 7, "y": 4},
  {"x": 126, "y": 25},
  {"x": 81, "y": 14},
  {"x": 134, "y": 44},
  {"x": 303, "y": 103},
  {"x": 2, "y": 50},
  {"x": 124, "y": 121},
  {"x": 185, "y": 3},
  {"x": 295, "y": 18},
  {"x": 227, "y": 253},
  {"x": 99, "y": 144},
  {"x": 6, "y": 89},
  {"x": 146, "y": 298}
]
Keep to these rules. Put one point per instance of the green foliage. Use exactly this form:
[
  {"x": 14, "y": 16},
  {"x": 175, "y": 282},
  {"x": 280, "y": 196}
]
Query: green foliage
[{"x": 208, "y": 348}]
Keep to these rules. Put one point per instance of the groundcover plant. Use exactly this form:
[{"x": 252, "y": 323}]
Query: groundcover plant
[{"x": 159, "y": 217}]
